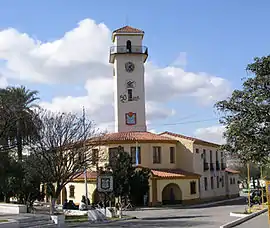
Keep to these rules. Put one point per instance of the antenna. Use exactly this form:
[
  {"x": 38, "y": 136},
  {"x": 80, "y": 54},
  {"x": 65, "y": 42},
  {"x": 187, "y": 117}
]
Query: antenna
[{"x": 127, "y": 20}]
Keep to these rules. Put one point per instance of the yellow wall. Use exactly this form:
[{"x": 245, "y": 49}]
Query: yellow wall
[
  {"x": 184, "y": 185},
  {"x": 146, "y": 154},
  {"x": 79, "y": 191}
]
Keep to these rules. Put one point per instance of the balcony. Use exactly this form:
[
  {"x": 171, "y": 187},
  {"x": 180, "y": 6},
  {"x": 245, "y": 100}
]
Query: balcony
[
  {"x": 223, "y": 166},
  {"x": 211, "y": 166},
  {"x": 217, "y": 165},
  {"x": 115, "y": 50},
  {"x": 205, "y": 166}
]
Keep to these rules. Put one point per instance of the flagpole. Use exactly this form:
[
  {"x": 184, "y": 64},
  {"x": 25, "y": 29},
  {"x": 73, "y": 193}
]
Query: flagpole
[
  {"x": 85, "y": 168},
  {"x": 137, "y": 154}
]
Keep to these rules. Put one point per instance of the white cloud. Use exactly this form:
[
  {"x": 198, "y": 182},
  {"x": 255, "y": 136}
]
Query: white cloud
[
  {"x": 211, "y": 134},
  {"x": 81, "y": 56}
]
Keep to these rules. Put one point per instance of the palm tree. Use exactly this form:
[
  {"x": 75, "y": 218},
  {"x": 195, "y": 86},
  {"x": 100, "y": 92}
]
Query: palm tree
[{"x": 20, "y": 102}]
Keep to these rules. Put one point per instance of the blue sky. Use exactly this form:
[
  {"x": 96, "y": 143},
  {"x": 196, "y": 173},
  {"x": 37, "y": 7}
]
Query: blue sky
[{"x": 218, "y": 37}]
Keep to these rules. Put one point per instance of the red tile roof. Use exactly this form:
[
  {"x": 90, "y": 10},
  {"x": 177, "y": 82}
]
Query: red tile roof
[
  {"x": 90, "y": 175},
  {"x": 228, "y": 170},
  {"x": 128, "y": 29},
  {"x": 135, "y": 136},
  {"x": 174, "y": 173},
  {"x": 195, "y": 140}
]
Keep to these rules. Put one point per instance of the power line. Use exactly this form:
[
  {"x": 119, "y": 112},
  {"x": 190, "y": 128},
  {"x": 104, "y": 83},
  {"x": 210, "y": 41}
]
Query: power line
[{"x": 173, "y": 124}]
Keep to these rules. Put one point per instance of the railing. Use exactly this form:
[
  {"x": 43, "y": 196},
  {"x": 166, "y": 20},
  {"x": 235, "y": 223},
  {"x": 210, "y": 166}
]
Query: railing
[
  {"x": 205, "y": 166},
  {"x": 217, "y": 165},
  {"x": 211, "y": 166},
  {"x": 132, "y": 50},
  {"x": 223, "y": 166}
]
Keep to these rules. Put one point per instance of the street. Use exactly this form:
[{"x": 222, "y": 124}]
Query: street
[
  {"x": 259, "y": 222},
  {"x": 207, "y": 217}
]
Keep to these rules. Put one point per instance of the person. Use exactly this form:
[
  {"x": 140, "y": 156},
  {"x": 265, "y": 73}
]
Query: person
[
  {"x": 82, "y": 206},
  {"x": 65, "y": 205}
]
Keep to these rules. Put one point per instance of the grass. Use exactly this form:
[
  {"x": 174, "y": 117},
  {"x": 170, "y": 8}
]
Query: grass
[
  {"x": 76, "y": 218},
  {"x": 3, "y": 220}
]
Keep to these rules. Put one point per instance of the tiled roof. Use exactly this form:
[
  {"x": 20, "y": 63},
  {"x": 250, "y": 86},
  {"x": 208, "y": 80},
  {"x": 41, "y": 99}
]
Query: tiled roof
[
  {"x": 128, "y": 29},
  {"x": 228, "y": 170},
  {"x": 90, "y": 175},
  {"x": 195, "y": 140},
  {"x": 173, "y": 173},
  {"x": 135, "y": 136}
]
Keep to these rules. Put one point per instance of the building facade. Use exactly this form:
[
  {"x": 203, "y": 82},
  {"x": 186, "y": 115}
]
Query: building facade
[{"x": 183, "y": 169}]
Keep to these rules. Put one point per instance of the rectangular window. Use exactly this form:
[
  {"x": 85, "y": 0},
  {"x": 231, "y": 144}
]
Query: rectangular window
[
  {"x": 222, "y": 181},
  {"x": 211, "y": 156},
  {"x": 216, "y": 155},
  {"x": 217, "y": 181},
  {"x": 212, "y": 182},
  {"x": 172, "y": 155},
  {"x": 113, "y": 155},
  {"x": 205, "y": 184},
  {"x": 94, "y": 156},
  {"x": 197, "y": 151},
  {"x": 156, "y": 154},
  {"x": 192, "y": 187},
  {"x": 129, "y": 94},
  {"x": 204, "y": 155},
  {"x": 133, "y": 154}
]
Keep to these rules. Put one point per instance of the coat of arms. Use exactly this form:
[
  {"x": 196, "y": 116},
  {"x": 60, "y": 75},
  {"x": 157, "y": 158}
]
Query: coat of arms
[{"x": 131, "y": 118}]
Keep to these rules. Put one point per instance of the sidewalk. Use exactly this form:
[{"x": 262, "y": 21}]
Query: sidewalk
[
  {"x": 190, "y": 206},
  {"x": 260, "y": 222}
]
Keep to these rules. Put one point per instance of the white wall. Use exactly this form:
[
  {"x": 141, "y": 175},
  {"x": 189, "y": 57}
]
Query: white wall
[{"x": 121, "y": 77}]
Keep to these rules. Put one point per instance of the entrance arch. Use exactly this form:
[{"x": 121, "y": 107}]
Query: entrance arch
[
  {"x": 64, "y": 195},
  {"x": 171, "y": 194}
]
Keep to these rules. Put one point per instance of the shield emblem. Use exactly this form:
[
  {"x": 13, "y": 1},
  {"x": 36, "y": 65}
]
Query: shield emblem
[
  {"x": 131, "y": 118},
  {"x": 105, "y": 183}
]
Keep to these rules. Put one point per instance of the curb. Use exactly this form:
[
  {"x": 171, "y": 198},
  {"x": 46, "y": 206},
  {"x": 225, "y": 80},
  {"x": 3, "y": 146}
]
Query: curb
[
  {"x": 89, "y": 224},
  {"x": 242, "y": 220}
]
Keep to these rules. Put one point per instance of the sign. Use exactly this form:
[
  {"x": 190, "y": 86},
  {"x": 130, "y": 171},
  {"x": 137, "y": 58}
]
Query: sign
[
  {"x": 131, "y": 118},
  {"x": 105, "y": 183},
  {"x": 267, "y": 185}
]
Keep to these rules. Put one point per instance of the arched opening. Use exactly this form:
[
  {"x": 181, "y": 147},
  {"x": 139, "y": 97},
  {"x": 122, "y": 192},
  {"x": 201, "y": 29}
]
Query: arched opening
[
  {"x": 64, "y": 195},
  {"x": 129, "y": 46},
  {"x": 171, "y": 194}
]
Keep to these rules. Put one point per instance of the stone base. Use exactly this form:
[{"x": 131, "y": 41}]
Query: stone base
[{"x": 8, "y": 208}]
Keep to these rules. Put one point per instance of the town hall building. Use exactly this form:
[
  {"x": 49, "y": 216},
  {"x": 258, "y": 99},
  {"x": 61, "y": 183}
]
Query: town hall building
[{"x": 191, "y": 169}]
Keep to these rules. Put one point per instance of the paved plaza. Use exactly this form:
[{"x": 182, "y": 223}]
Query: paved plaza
[{"x": 208, "y": 217}]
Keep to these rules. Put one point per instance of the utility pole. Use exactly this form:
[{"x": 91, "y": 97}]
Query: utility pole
[{"x": 85, "y": 168}]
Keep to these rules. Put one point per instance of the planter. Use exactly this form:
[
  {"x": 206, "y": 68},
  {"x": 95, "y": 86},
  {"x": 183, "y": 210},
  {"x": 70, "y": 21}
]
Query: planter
[
  {"x": 58, "y": 219},
  {"x": 9, "y": 208}
]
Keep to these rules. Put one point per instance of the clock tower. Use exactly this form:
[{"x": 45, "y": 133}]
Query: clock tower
[{"x": 128, "y": 57}]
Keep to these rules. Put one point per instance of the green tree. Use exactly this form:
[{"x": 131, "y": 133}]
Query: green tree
[
  {"x": 19, "y": 104},
  {"x": 246, "y": 115},
  {"x": 123, "y": 172},
  {"x": 139, "y": 186}
]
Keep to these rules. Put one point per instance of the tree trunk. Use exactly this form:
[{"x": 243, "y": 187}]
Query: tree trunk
[
  {"x": 52, "y": 205},
  {"x": 19, "y": 140}
]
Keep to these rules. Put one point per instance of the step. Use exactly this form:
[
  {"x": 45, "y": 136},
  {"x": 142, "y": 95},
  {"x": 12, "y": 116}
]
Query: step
[
  {"x": 44, "y": 226},
  {"x": 36, "y": 223}
]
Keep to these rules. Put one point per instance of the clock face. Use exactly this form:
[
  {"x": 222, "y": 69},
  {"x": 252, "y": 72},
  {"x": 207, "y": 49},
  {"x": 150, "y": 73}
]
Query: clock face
[{"x": 129, "y": 66}]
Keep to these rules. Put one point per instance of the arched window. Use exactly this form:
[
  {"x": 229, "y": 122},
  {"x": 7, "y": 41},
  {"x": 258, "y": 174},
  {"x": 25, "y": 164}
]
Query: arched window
[
  {"x": 129, "y": 46},
  {"x": 72, "y": 191}
]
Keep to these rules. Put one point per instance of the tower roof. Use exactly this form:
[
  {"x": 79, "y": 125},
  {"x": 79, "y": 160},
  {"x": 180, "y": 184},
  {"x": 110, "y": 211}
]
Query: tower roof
[{"x": 128, "y": 29}]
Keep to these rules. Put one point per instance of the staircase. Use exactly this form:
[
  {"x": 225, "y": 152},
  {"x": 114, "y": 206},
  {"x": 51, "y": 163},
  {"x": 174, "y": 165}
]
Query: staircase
[{"x": 36, "y": 221}]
